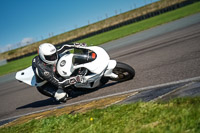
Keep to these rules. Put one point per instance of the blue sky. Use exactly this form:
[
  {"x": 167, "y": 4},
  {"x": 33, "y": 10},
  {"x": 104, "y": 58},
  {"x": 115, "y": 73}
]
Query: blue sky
[{"x": 25, "y": 21}]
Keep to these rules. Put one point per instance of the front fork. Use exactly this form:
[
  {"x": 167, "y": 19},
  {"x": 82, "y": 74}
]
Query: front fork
[{"x": 109, "y": 70}]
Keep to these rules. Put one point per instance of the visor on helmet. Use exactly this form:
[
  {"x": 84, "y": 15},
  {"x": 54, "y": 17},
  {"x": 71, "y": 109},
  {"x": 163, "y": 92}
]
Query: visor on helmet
[{"x": 52, "y": 57}]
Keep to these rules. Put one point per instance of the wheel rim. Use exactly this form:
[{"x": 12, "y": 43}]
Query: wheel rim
[{"x": 122, "y": 74}]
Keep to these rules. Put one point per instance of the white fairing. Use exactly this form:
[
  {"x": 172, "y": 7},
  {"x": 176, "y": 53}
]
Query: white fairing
[
  {"x": 100, "y": 63},
  {"x": 65, "y": 66},
  {"x": 96, "y": 66},
  {"x": 27, "y": 76}
]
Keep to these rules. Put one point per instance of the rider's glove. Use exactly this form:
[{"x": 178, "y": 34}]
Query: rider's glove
[
  {"x": 79, "y": 78},
  {"x": 78, "y": 45},
  {"x": 72, "y": 80},
  {"x": 76, "y": 79}
]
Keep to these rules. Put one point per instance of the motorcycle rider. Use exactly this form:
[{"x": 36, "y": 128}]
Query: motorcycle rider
[{"x": 48, "y": 81}]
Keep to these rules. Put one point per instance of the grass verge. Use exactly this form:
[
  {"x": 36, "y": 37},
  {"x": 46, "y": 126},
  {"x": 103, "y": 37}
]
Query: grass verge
[
  {"x": 16, "y": 65},
  {"x": 179, "y": 115},
  {"x": 115, "y": 34}
]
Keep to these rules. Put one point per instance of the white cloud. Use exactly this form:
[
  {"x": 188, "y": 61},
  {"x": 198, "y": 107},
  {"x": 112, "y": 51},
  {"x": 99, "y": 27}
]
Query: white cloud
[
  {"x": 27, "y": 41},
  {"x": 9, "y": 45}
]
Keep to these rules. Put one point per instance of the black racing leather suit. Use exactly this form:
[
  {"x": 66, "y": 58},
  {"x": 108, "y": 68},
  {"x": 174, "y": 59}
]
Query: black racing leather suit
[{"x": 47, "y": 78}]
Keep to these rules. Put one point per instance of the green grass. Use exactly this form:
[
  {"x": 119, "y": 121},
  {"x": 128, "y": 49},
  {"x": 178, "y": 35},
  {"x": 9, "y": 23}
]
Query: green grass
[
  {"x": 115, "y": 34},
  {"x": 16, "y": 65},
  {"x": 177, "y": 116}
]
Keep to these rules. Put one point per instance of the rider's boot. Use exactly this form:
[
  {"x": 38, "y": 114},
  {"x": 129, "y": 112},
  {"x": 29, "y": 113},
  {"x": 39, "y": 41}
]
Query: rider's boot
[{"x": 61, "y": 96}]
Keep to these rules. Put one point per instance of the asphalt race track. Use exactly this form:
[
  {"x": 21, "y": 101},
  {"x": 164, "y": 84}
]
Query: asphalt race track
[{"x": 159, "y": 55}]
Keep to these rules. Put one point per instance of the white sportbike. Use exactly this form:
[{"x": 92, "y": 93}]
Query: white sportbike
[{"x": 93, "y": 63}]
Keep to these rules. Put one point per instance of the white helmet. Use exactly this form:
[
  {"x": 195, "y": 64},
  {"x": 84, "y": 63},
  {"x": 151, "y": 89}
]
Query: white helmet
[{"x": 48, "y": 53}]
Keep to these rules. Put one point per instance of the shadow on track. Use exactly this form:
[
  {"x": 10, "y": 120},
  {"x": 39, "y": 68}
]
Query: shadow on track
[
  {"x": 41, "y": 103},
  {"x": 74, "y": 93}
]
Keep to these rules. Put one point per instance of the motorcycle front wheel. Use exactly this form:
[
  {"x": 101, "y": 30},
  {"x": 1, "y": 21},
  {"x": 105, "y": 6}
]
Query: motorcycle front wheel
[{"x": 124, "y": 72}]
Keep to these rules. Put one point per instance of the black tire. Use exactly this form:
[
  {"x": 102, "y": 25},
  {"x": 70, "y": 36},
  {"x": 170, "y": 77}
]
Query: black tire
[{"x": 124, "y": 72}]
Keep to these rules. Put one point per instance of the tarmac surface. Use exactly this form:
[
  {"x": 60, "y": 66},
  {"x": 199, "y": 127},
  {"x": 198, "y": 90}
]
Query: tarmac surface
[{"x": 166, "y": 60}]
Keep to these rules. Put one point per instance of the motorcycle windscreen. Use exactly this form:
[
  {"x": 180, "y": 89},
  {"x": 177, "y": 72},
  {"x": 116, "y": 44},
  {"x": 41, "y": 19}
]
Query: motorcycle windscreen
[
  {"x": 27, "y": 76},
  {"x": 82, "y": 56}
]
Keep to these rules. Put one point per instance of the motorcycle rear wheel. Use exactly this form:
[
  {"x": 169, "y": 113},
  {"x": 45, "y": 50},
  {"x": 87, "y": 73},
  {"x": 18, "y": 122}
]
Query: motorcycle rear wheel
[{"x": 124, "y": 72}]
